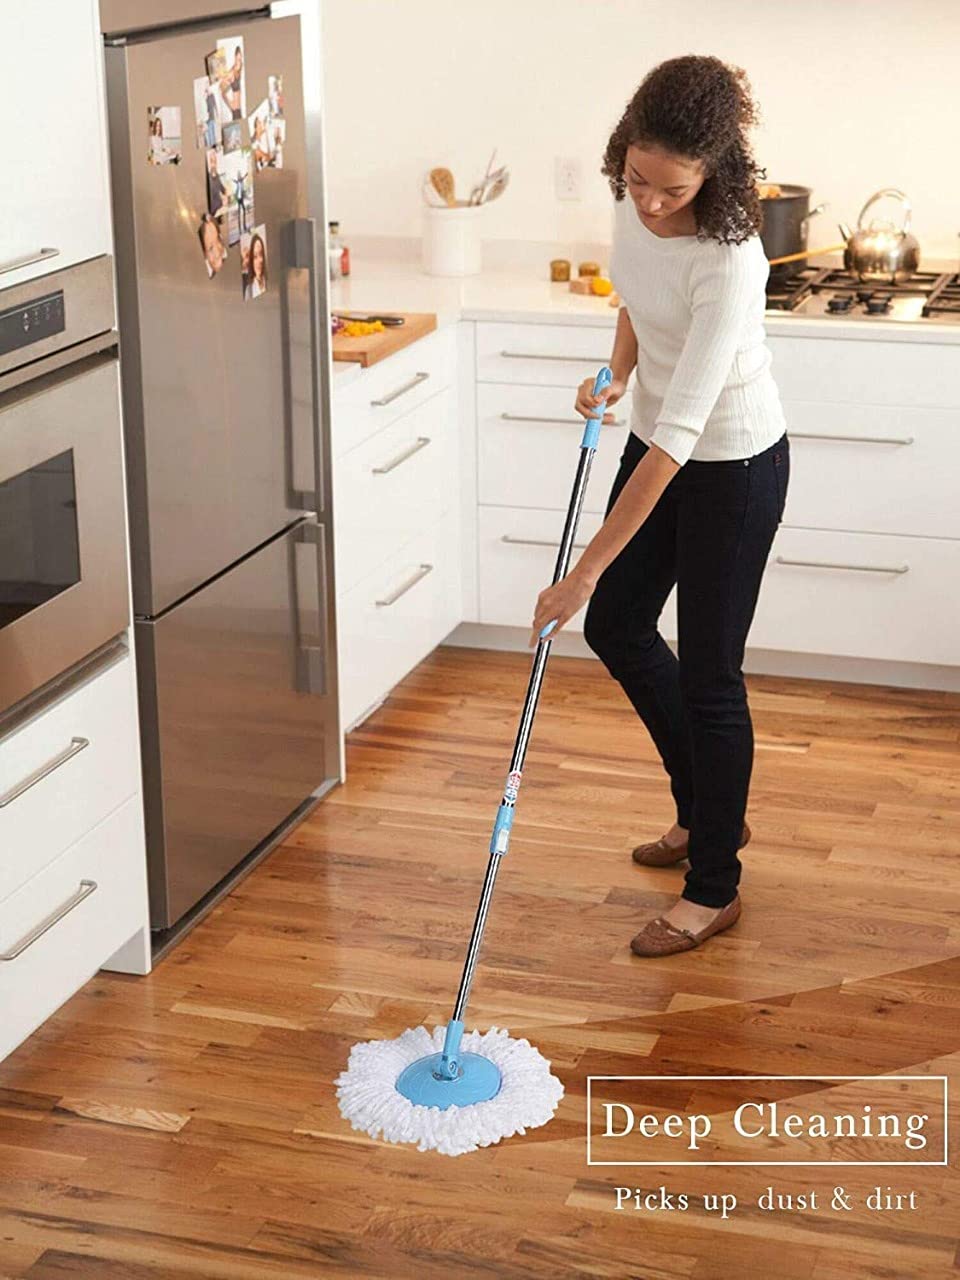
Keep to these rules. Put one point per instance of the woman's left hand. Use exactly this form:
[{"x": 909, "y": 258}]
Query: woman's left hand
[{"x": 560, "y": 601}]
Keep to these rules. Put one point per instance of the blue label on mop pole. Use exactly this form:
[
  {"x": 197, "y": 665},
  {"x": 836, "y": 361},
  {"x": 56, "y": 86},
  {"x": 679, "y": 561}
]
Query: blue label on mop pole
[
  {"x": 501, "y": 829},
  {"x": 548, "y": 628},
  {"x": 591, "y": 432}
]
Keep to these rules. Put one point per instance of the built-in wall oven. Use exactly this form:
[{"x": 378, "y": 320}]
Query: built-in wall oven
[{"x": 63, "y": 546}]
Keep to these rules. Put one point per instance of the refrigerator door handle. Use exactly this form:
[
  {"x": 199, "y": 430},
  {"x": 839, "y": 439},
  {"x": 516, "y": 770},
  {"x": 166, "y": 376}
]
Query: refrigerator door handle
[
  {"x": 310, "y": 660},
  {"x": 304, "y": 255}
]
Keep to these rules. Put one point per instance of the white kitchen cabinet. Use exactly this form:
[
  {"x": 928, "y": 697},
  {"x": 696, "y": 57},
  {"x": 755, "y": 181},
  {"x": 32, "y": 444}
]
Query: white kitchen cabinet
[
  {"x": 393, "y": 618},
  {"x": 395, "y": 481},
  {"x": 393, "y": 387},
  {"x": 874, "y": 468},
  {"x": 891, "y": 372},
  {"x": 861, "y": 595},
  {"x": 518, "y": 551},
  {"x": 875, "y": 449},
  {"x": 71, "y": 816},
  {"x": 398, "y": 519},
  {"x": 541, "y": 354},
  {"x": 528, "y": 446},
  {"x": 54, "y": 203},
  {"x": 64, "y": 770},
  {"x": 60, "y": 927}
]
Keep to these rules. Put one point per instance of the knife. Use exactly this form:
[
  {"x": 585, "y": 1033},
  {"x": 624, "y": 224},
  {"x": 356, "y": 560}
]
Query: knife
[{"x": 388, "y": 321}]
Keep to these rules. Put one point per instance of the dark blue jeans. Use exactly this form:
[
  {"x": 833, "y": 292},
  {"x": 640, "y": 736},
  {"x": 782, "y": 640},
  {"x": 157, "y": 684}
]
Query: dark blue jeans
[{"x": 710, "y": 534}]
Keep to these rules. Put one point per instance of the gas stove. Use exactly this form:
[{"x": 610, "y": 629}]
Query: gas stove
[{"x": 832, "y": 292}]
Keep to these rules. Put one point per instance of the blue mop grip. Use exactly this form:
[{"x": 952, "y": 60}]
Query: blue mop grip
[
  {"x": 591, "y": 432},
  {"x": 591, "y": 435}
]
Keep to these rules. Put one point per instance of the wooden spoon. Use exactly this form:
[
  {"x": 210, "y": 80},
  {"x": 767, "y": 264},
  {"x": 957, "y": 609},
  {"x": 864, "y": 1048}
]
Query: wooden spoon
[
  {"x": 442, "y": 182},
  {"x": 808, "y": 253}
]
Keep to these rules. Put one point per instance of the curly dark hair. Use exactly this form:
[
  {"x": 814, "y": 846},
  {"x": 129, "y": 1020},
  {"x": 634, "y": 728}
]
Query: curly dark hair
[{"x": 698, "y": 108}]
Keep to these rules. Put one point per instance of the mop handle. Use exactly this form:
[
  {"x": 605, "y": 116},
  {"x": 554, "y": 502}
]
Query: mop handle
[
  {"x": 500, "y": 839},
  {"x": 591, "y": 436}
]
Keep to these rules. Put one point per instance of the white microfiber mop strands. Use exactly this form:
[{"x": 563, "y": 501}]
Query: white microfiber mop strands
[{"x": 528, "y": 1097}]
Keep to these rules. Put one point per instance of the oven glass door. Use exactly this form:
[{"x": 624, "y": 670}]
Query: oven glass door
[
  {"x": 63, "y": 561},
  {"x": 39, "y": 543}
]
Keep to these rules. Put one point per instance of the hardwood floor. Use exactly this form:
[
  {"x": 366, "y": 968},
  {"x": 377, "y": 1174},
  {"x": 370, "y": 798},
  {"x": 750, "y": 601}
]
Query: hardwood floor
[{"x": 185, "y": 1125}]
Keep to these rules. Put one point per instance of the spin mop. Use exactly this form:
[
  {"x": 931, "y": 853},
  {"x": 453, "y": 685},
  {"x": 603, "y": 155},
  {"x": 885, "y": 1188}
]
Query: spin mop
[{"x": 445, "y": 1091}]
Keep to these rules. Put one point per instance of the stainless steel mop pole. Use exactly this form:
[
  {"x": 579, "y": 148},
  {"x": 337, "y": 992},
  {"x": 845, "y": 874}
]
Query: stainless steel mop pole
[{"x": 500, "y": 839}]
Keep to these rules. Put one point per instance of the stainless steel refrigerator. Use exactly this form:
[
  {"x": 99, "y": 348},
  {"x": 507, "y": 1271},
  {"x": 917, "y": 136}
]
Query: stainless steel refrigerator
[{"x": 226, "y": 428}]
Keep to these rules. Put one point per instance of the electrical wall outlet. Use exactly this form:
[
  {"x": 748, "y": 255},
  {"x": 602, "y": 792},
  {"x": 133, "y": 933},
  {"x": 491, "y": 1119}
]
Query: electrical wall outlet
[{"x": 566, "y": 178}]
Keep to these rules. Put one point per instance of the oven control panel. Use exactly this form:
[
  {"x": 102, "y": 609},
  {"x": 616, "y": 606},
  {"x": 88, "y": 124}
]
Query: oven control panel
[{"x": 32, "y": 322}]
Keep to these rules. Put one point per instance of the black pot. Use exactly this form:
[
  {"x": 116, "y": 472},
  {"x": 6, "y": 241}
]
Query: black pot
[{"x": 784, "y": 227}]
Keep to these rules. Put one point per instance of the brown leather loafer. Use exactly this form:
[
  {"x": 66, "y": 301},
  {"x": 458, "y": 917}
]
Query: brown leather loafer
[
  {"x": 661, "y": 938},
  {"x": 661, "y": 854}
]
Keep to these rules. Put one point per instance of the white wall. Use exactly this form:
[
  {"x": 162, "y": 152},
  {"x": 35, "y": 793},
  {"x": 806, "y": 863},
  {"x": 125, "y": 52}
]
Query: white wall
[{"x": 856, "y": 95}]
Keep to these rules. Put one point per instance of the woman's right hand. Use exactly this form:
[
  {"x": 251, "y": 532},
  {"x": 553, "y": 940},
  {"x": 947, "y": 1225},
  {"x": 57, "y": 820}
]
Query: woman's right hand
[{"x": 586, "y": 402}]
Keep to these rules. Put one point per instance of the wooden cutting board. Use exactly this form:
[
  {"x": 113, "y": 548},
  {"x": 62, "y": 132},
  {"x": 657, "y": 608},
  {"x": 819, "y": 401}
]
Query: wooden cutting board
[{"x": 377, "y": 346}]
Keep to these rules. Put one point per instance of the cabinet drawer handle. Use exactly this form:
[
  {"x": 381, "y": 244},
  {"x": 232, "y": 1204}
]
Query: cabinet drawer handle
[
  {"x": 537, "y": 542},
  {"x": 402, "y": 590},
  {"x": 402, "y": 391},
  {"x": 39, "y": 255},
  {"x": 76, "y": 744},
  {"x": 824, "y": 435},
  {"x": 86, "y": 888},
  {"x": 831, "y": 564},
  {"x": 562, "y": 422},
  {"x": 539, "y": 355},
  {"x": 421, "y": 443}
]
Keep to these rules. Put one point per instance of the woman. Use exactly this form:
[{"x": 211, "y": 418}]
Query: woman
[
  {"x": 156, "y": 141},
  {"x": 260, "y": 142},
  {"x": 257, "y": 279},
  {"x": 211, "y": 244},
  {"x": 703, "y": 478},
  {"x": 217, "y": 201}
]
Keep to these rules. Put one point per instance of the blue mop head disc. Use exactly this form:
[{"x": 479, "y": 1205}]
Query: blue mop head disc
[{"x": 369, "y": 1099}]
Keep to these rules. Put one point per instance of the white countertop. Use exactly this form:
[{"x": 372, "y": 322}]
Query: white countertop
[{"x": 524, "y": 296}]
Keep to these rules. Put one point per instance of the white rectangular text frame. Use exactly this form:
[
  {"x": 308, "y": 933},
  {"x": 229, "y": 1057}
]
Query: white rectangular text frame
[{"x": 756, "y": 1163}]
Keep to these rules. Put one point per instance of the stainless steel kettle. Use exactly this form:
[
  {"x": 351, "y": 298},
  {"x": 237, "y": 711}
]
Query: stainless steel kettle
[{"x": 882, "y": 251}]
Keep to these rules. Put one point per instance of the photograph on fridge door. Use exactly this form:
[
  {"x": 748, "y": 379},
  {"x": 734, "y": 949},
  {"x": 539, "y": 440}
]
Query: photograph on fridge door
[
  {"x": 211, "y": 244},
  {"x": 218, "y": 200},
  {"x": 266, "y": 137},
  {"x": 163, "y": 135},
  {"x": 253, "y": 261},
  {"x": 275, "y": 94},
  {"x": 236, "y": 170},
  {"x": 205, "y": 113},
  {"x": 232, "y": 136},
  {"x": 232, "y": 81}
]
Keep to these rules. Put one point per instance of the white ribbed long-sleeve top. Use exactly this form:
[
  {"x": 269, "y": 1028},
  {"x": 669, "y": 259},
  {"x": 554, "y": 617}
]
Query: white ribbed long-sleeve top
[{"x": 703, "y": 389}]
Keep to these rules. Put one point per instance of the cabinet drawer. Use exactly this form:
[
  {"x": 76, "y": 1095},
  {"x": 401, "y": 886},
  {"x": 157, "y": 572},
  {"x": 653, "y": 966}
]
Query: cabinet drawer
[
  {"x": 395, "y": 386},
  {"x": 97, "y": 888},
  {"x": 35, "y": 213},
  {"x": 518, "y": 553},
  {"x": 396, "y": 615},
  {"x": 546, "y": 355},
  {"x": 902, "y": 606},
  {"x": 528, "y": 447},
  {"x": 394, "y": 484},
  {"x": 873, "y": 468},
  {"x": 84, "y": 753},
  {"x": 923, "y": 374}
]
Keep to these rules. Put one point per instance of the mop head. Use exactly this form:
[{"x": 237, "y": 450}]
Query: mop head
[{"x": 528, "y": 1095}]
